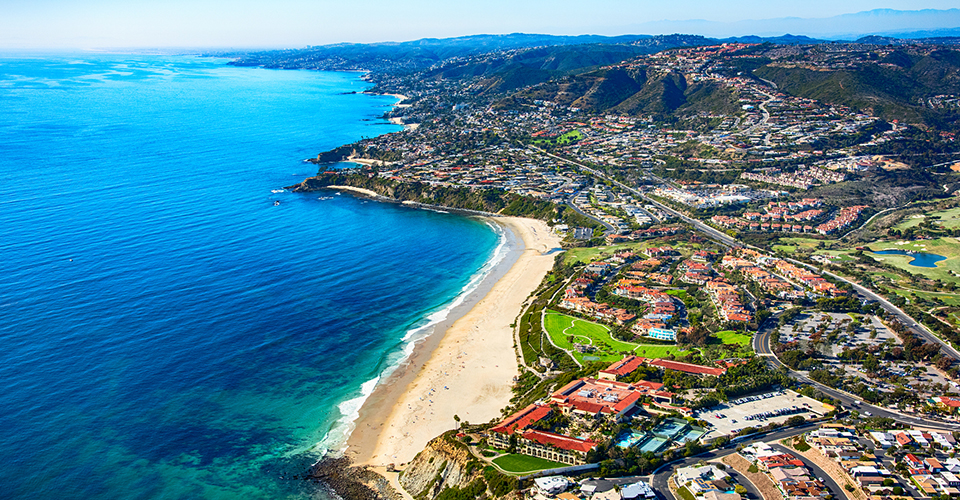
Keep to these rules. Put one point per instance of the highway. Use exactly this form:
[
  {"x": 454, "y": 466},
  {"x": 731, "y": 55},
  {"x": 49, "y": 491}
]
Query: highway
[
  {"x": 910, "y": 323},
  {"x": 762, "y": 339},
  {"x": 719, "y": 236},
  {"x": 761, "y": 344}
]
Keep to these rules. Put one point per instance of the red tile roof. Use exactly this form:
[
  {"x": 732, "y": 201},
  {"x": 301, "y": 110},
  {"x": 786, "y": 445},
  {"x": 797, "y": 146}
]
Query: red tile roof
[
  {"x": 522, "y": 419},
  {"x": 560, "y": 441},
  {"x": 687, "y": 367},
  {"x": 624, "y": 367}
]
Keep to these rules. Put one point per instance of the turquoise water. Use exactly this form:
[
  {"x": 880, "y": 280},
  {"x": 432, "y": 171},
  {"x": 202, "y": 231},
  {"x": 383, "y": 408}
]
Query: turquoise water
[
  {"x": 629, "y": 439},
  {"x": 168, "y": 332},
  {"x": 920, "y": 259}
]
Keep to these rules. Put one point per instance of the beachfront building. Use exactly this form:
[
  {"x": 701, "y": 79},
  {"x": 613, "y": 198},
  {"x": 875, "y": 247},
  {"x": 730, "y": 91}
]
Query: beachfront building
[
  {"x": 555, "y": 447},
  {"x": 688, "y": 368},
  {"x": 517, "y": 423},
  {"x": 621, "y": 368},
  {"x": 594, "y": 398}
]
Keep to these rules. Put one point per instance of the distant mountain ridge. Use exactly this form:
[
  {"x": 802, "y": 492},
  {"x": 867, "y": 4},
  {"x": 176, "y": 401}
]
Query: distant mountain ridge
[
  {"x": 847, "y": 27},
  {"x": 417, "y": 55}
]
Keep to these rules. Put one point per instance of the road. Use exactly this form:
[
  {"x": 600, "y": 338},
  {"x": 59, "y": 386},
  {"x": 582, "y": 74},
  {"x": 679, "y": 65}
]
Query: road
[
  {"x": 761, "y": 344},
  {"x": 764, "y": 350},
  {"x": 609, "y": 228},
  {"x": 720, "y": 237},
  {"x": 660, "y": 478},
  {"x": 895, "y": 311}
]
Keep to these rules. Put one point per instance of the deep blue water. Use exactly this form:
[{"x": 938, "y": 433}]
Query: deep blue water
[
  {"x": 920, "y": 259},
  {"x": 165, "y": 330}
]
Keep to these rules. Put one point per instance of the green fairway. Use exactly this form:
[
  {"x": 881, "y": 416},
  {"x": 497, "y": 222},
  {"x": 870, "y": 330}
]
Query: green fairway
[
  {"x": 792, "y": 244},
  {"x": 567, "y": 138},
  {"x": 524, "y": 463},
  {"x": 590, "y": 254},
  {"x": 560, "y": 327},
  {"x": 950, "y": 299},
  {"x": 657, "y": 351},
  {"x": 947, "y": 247},
  {"x": 949, "y": 218},
  {"x": 732, "y": 337}
]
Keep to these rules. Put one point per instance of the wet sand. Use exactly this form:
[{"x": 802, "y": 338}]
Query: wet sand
[{"x": 466, "y": 368}]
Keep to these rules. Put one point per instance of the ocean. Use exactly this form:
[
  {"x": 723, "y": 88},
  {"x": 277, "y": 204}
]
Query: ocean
[{"x": 166, "y": 329}]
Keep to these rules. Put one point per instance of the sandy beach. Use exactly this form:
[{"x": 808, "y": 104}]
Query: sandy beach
[{"x": 466, "y": 370}]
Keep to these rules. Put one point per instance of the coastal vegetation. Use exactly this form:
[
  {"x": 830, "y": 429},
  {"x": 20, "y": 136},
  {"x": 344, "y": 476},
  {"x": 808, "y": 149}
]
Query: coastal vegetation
[
  {"x": 489, "y": 201},
  {"x": 612, "y": 148}
]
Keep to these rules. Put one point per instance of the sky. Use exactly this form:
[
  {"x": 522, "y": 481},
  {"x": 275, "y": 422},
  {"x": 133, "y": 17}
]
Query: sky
[{"x": 91, "y": 24}]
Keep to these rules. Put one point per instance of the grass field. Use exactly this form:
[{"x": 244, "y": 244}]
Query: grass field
[
  {"x": 950, "y": 299},
  {"x": 524, "y": 463},
  {"x": 947, "y": 247},
  {"x": 792, "y": 244},
  {"x": 608, "y": 349},
  {"x": 949, "y": 218},
  {"x": 590, "y": 254},
  {"x": 563, "y": 140},
  {"x": 732, "y": 337}
]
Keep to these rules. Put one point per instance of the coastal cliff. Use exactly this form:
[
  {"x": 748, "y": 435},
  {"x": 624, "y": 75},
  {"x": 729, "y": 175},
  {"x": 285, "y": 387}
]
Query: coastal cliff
[
  {"x": 446, "y": 469},
  {"x": 491, "y": 201}
]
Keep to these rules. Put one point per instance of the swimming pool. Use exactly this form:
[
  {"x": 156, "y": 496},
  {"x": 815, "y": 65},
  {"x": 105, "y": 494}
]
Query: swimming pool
[{"x": 629, "y": 439}]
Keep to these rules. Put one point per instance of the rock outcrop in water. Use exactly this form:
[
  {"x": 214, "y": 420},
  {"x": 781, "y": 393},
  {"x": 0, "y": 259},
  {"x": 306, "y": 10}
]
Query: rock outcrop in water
[{"x": 351, "y": 483}]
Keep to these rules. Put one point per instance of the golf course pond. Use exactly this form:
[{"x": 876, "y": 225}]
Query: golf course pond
[{"x": 920, "y": 259}]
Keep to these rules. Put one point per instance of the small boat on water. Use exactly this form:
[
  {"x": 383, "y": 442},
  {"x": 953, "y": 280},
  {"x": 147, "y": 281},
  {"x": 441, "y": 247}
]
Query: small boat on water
[{"x": 276, "y": 203}]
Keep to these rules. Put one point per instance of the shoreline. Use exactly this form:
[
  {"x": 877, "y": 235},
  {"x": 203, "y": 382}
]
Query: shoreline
[{"x": 454, "y": 371}]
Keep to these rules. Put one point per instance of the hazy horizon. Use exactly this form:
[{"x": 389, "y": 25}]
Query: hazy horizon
[{"x": 247, "y": 24}]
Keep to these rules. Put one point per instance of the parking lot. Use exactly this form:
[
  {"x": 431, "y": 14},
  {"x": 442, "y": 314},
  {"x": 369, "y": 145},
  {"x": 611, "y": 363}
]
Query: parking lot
[{"x": 757, "y": 411}]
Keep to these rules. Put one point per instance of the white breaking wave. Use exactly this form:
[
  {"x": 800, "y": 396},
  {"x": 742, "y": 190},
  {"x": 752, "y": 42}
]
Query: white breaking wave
[{"x": 335, "y": 442}]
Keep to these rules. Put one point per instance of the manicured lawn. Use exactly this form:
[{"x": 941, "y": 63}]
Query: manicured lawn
[
  {"x": 947, "y": 247},
  {"x": 657, "y": 351},
  {"x": 590, "y": 254},
  {"x": 949, "y": 218},
  {"x": 563, "y": 140},
  {"x": 732, "y": 337},
  {"x": 560, "y": 326},
  {"x": 524, "y": 463},
  {"x": 794, "y": 243},
  {"x": 910, "y": 221},
  {"x": 950, "y": 299}
]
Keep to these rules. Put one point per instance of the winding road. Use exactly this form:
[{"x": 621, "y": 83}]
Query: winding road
[{"x": 762, "y": 339}]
